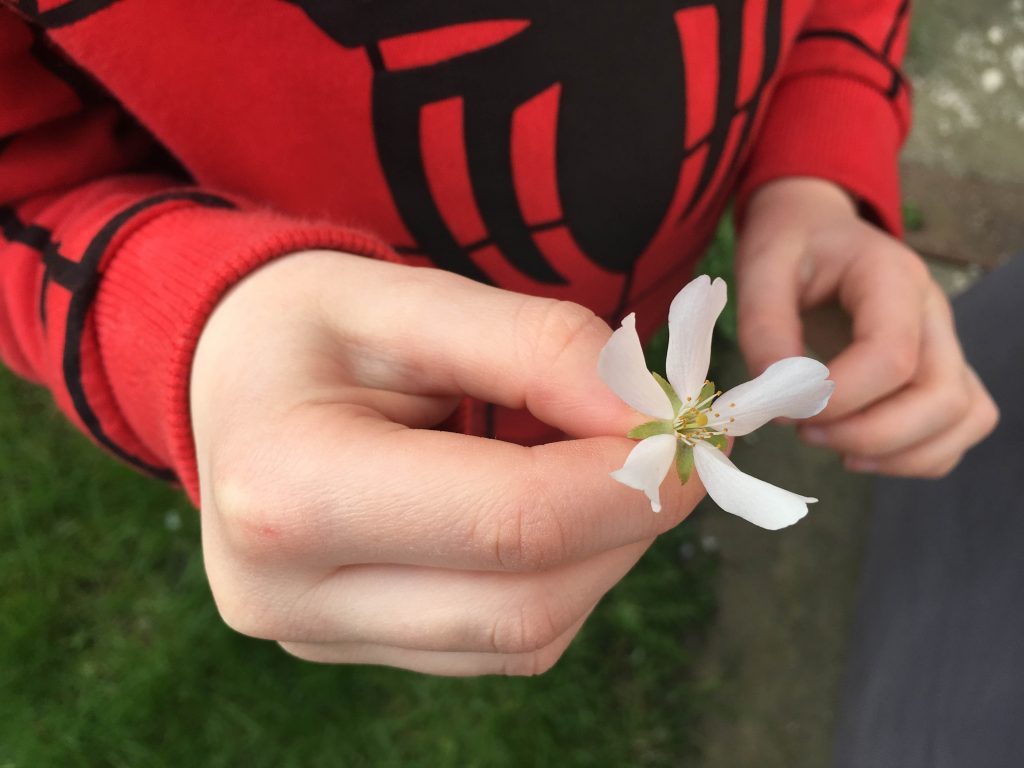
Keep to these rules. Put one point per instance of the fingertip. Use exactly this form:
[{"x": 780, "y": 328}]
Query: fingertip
[
  {"x": 861, "y": 465},
  {"x": 813, "y": 434},
  {"x": 833, "y": 412}
]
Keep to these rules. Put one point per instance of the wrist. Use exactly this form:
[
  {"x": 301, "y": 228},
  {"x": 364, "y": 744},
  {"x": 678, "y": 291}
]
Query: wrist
[{"x": 806, "y": 195}]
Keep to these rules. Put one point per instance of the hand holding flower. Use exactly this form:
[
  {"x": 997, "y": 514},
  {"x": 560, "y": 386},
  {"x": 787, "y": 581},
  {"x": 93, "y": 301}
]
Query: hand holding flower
[{"x": 338, "y": 523}]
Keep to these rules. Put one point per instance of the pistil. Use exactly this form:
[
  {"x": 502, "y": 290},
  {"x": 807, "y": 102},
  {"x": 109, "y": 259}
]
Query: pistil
[{"x": 692, "y": 424}]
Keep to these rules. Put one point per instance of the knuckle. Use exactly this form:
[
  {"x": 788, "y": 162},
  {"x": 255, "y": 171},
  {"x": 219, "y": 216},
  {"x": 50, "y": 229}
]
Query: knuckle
[
  {"x": 880, "y": 255},
  {"x": 530, "y": 535},
  {"x": 942, "y": 469},
  {"x": 989, "y": 415},
  {"x": 251, "y": 525},
  {"x": 889, "y": 254},
  {"x": 532, "y": 664},
  {"x": 259, "y": 517},
  {"x": 914, "y": 264},
  {"x": 558, "y": 325},
  {"x": 861, "y": 436},
  {"x": 862, "y": 441},
  {"x": 306, "y": 652},
  {"x": 900, "y": 361},
  {"x": 545, "y": 660},
  {"x": 297, "y": 650},
  {"x": 950, "y": 404},
  {"x": 937, "y": 301},
  {"x": 246, "y": 613},
  {"x": 525, "y": 628}
]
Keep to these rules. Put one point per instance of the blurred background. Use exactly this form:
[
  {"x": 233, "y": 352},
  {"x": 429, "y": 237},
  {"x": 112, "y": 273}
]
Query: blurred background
[{"x": 725, "y": 647}]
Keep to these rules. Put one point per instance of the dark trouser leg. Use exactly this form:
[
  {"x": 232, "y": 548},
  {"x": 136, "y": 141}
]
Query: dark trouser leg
[{"x": 936, "y": 671}]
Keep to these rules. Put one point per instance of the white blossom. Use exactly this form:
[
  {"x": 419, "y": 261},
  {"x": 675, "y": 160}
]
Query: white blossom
[{"x": 692, "y": 421}]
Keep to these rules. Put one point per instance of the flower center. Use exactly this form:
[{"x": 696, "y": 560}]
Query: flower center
[{"x": 692, "y": 422}]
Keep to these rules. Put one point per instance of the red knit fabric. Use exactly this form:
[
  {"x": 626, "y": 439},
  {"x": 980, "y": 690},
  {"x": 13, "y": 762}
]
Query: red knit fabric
[{"x": 560, "y": 149}]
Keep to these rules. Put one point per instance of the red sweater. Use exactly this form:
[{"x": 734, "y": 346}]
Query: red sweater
[{"x": 153, "y": 152}]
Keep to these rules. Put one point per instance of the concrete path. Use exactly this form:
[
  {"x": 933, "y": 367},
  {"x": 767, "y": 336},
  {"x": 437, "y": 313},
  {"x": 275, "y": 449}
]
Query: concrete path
[{"x": 966, "y": 63}]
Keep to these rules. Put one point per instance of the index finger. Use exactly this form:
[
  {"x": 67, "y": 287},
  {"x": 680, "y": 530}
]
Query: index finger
[
  {"x": 442, "y": 334},
  {"x": 885, "y": 302},
  {"x": 360, "y": 489}
]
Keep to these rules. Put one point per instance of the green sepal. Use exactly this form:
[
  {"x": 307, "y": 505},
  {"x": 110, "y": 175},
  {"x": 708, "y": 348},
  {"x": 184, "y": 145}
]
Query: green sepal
[
  {"x": 718, "y": 441},
  {"x": 677, "y": 404},
  {"x": 706, "y": 391},
  {"x": 684, "y": 461},
  {"x": 650, "y": 429}
]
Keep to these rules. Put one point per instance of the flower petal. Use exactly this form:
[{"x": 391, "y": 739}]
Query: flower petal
[
  {"x": 622, "y": 367},
  {"x": 647, "y": 465},
  {"x": 691, "y": 319},
  {"x": 754, "y": 500},
  {"x": 795, "y": 387}
]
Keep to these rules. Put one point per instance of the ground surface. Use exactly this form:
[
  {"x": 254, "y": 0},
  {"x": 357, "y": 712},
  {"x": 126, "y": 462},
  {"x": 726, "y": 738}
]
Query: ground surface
[{"x": 966, "y": 63}]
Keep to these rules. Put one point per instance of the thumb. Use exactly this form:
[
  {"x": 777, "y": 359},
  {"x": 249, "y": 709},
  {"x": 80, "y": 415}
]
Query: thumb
[
  {"x": 430, "y": 332},
  {"x": 768, "y": 306}
]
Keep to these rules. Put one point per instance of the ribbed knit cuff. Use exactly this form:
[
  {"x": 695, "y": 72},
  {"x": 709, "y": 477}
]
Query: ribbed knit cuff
[
  {"x": 834, "y": 128},
  {"x": 166, "y": 273}
]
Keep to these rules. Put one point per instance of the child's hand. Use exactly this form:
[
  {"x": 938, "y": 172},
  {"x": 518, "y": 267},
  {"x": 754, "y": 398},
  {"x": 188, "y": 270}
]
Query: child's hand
[
  {"x": 906, "y": 402},
  {"x": 338, "y": 524}
]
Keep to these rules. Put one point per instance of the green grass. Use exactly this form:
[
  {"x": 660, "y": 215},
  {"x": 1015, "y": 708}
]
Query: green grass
[{"x": 112, "y": 654}]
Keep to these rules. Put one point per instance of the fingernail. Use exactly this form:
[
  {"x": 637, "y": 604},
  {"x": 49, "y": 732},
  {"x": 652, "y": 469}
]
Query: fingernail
[
  {"x": 861, "y": 465},
  {"x": 815, "y": 435}
]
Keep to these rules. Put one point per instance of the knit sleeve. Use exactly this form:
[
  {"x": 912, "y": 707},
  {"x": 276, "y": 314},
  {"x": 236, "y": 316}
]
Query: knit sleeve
[
  {"x": 109, "y": 269},
  {"x": 841, "y": 108}
]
